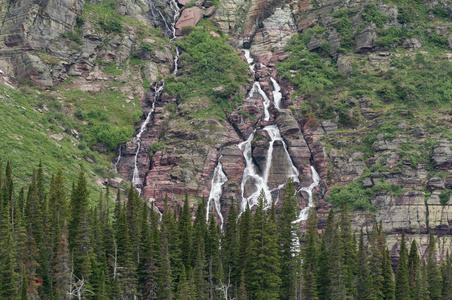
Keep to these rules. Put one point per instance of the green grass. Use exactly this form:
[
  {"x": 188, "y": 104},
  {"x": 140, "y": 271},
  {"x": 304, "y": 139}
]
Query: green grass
[
  {"x": 212, "y": 69},
  {"x": 25, "y": 139}
]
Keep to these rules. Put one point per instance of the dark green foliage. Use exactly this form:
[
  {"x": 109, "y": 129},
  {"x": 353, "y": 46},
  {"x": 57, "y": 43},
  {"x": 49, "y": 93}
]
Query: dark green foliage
[
  {"x": 310, "y": 263},
  {"x": 433, "y": 274},
  {"x": 262, "y": 265},
  {"x": 287, "y": 231},
  {"x": 444, "y": 196},
  {"x": 209, "y": 62},
  {"x": 402, "y": 288},
  {"x": 372, "y": 14},
  {"x": 141, "y": 257},
  {"x": 414, "y": 270}
]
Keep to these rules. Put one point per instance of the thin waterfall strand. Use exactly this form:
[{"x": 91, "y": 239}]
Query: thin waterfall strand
[
  {"x": 216, "y": 190},
  {"x": 304, "y": 214}
]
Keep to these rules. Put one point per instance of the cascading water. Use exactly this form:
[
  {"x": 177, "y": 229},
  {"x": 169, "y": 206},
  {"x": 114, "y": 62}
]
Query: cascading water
[
  {"x": 136, "y": 181},
  {"x": 257, "y": 89},
  {"x": 277, "y": 96},
  {"x": 275, "y": 135},
  {"x": 249, "y": 173},
  {"x": 115, "y": 166},
  {"x": 303, "y": 216},
  {"x": 216, "y": 190}
]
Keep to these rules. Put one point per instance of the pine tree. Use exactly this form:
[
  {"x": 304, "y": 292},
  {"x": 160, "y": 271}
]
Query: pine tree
[
  {"x": 349, "y": 250},
  {"x": 9, "y": 279},
  {"x": 230, "y": 247},
  {"x": 363, "y": 273},
  {"x": 62, "y": 268},
  {"x": 433, "y": 274},
  {"x": 262, "y": 266},
  {"x": 446, "y": 272},
  {"x": 388, "y": 277},
  {"x": 414, "y": 270},
  {"x": 200, "y": 275},
  {"x": 310, "y": 259},
  {"x": 375, "y": 262},
  {"x": 185, "y": 232},
  {"x": 244, "y": 238},
  {"x": 165, "y": 282},
  {"x": 242, "y": 294},
  {"x": 402, "y": 286},
  {"x": 213, "y": 257},
  {"x": 133, "y": 209},
  {"x": 183, "y": 288},
  {"x": 287, "y": 234}
]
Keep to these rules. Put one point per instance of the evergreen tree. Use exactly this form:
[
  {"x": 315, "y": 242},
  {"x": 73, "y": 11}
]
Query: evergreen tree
[
  {"x": 446, "y": 272},
  {"x": 230, "y": 247},
  {"x": 62, "y": 268},
  {"x": 183, "y": 287},
  {"x": 310, "y": 264},
  {"x": 363, "y": 274},
  {"x": 375, "y": 263},
  {"x": 165, "y": 282},
  {"x": 414, "y": 271},
  {"x": 262, "y": 266},
  {"x": 185, "y": 232},
  {"x": 323, "y": 278},
  {"x": 433, "y": 274},
  {"x": 287, "y": 235},
  {"x": 199, "y": 275},
  {"x": 244, "y": 238},
  {"x": 348, "y": 250},
  {"x": 9, "y": 279},
  {"x": 133, "y": 209},
  {"x": 402, "y": 286},
  {"x": 388, "y": 277}
]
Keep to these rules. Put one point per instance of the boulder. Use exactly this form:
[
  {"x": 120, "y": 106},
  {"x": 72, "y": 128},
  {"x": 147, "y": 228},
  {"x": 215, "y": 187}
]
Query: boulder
[
  {"x": 209, "y": 11},
  {"x": 189, "y": 17},
  {"x": 449, "y": 42},
  {"x": 115, "y": 182},
  {"x": 365, "y": 40},
  {"x": 344, "y": 65},
  {"x": 412, "y": 43}
]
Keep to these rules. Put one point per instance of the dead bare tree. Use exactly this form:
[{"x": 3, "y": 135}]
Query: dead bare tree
[
  {"x": 78, "y": 288},
  {"x": 224, "y": 288}
]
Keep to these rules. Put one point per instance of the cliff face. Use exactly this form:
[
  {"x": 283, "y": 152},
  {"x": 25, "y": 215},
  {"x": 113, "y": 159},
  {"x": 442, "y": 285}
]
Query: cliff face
[{"x": 366, "y": 145}]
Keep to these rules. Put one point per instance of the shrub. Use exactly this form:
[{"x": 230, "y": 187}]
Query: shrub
[
  {"x": 110, "y": 25},
  {"x": 444, "y": 196},
  {"x": 146, "y": 46}
]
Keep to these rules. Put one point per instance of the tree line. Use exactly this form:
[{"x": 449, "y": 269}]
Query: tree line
[{"x": 54, "y": 244}]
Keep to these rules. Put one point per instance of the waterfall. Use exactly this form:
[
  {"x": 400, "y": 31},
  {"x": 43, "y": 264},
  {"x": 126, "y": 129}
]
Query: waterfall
[
  {"x": 277, "y": 96},
  {"x": 115, "y": 166},
  {"x": 136, "y": 181},
  {"x": 249, "y": 59},
  {"x": 257, "y": 89},
  {"x": 303, "y": 216},
  {"x": 249, "y": 173},
  {"x": 275, "y": 135},
  {"x": 216, "y": 190}
]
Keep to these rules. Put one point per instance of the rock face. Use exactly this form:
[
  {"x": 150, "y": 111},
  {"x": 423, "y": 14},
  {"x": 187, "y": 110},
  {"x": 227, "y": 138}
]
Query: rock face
[{"x": 189, "y": 17}]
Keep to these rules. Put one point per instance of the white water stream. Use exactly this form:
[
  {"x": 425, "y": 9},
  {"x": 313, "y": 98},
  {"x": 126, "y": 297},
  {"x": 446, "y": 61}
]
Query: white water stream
[
  {"x": 250, "y": 177},
  {"x": 216, "y": 190},
  {"x": 277, "y": 96},
  {"x": 304, "y": 214},
  {"x": 115, "y": 166},
  {"x": 136, "y": 180}
]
